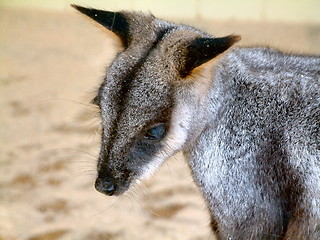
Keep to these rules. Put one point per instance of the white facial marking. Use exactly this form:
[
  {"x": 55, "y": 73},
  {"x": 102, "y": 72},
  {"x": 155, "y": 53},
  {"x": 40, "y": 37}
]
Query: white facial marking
[{"x": 173, "y": 142}]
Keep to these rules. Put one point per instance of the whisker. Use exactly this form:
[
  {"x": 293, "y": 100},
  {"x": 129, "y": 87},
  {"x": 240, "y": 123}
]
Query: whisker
[
  {"x": 87, "y": 105},
  {"x": 112, "y": 205}
]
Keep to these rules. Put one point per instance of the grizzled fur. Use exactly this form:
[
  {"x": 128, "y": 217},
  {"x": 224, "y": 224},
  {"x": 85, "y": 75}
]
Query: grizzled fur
[{"x": 247, "y": 119}]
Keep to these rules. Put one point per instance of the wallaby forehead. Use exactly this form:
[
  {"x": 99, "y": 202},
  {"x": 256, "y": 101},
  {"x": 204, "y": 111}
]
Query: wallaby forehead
[
  {"x": 141, "y": 67},
  {"x": 133, "y": 96},
  {"x": 137, "y": 86}
]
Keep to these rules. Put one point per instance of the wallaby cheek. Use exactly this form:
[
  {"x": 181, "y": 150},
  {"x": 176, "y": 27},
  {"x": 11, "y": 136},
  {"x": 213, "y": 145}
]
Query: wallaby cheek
[
  {"x": 179, "y": 128},
  {"x": 174, "y": 141}
]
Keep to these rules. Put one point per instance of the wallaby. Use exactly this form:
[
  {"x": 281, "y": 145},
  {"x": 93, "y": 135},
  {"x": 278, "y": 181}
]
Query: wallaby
[{"x": 247, "y": 120}]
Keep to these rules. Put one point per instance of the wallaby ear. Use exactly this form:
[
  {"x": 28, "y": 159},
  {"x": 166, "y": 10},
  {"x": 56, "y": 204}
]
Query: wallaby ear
[
  {"x": 113, "y": 21},
  {"x": 202, "y": 50}
]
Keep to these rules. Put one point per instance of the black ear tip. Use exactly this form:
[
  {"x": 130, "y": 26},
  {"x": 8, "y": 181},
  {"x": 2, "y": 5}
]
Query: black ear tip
[
  {"x": 79, "y": 8},
  {"x": 75, "y": 6},
  {"x": 84, "y": 10}
]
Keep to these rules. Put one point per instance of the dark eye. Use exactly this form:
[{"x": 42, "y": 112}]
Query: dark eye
[{"x": 156, "y": 132}]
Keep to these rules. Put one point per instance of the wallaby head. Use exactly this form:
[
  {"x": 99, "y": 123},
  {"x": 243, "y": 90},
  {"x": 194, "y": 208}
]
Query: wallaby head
[{"x": 153, "y": 94}]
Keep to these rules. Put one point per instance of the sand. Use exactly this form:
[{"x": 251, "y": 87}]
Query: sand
[{"x": 50, "y": 65}]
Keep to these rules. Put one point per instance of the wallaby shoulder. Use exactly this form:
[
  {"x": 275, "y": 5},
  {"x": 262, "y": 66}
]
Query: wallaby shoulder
[{"x": 269, "y": 90}]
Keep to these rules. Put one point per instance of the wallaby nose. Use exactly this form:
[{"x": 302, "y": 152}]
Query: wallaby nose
[{"x": 105, "y": 185}]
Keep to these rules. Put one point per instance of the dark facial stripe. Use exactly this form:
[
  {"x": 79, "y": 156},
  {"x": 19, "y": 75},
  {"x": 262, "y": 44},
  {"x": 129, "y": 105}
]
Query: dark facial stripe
[{"x": 123, "y": 95}]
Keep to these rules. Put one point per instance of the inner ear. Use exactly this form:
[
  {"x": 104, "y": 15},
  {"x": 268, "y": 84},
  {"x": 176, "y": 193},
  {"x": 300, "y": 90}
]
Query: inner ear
[{"x": 202, "y": 50}]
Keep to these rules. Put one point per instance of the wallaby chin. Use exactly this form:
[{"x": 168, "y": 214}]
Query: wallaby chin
[{"x": 247, "y": 120}]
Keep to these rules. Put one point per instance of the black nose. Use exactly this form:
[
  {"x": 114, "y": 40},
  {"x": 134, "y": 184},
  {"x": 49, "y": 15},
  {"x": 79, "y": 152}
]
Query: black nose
[{"x": 105, "y": 185}]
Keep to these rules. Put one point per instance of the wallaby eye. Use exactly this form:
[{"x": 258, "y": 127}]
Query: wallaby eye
[{"x": 156, "y": 132}]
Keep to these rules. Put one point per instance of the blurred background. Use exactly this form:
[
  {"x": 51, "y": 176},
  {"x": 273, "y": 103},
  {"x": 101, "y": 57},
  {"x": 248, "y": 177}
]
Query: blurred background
[
  {"x": 257, "y": 10},
  {"x": 52, "y": 60}
]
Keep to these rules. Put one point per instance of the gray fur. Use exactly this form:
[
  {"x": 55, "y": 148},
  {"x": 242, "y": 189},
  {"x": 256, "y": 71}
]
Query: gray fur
[
  {"x": 248, "y": 122},
  {"x": 263, "y": 180}
]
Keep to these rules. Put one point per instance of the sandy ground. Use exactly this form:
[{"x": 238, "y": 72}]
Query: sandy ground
[{"x": 50, "y": 65}]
